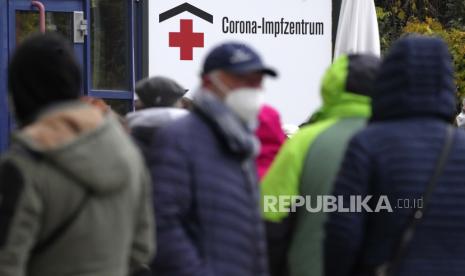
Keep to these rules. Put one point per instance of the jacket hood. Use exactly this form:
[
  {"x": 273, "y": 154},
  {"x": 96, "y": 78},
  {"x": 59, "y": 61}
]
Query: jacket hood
[
  {"x": 346, "y": 87},
  {"x": 85, "y": 143},
  {"x": 155, "y": 117},
  {"x": 416, "y": 80}
]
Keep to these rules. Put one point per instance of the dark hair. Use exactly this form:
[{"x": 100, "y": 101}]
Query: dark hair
[{"x": 42, "y": 72}]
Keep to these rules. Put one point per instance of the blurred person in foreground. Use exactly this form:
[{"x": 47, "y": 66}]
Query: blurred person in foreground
[
  {"x": 308, "y": 164},
  {"x": 75, "y": 195},
  {"x": 408, "y": 146},
  {"x": 205, "y": 179},
  {"x": 158, "y": 104}
]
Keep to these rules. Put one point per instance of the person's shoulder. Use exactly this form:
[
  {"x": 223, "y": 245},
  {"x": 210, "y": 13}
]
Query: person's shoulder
[
  {"x": 312, "y": 130},
  {"x": 18, "y": 155},
  {"x": 10, "y": 170},
  {"x": 377, "y": 133},
  {"x": 305, "y": 136},
  {"x": 183, "y": 132},
  {"x": 187, "y": 125},
  {"x": 17, "y": 165},
  {"x": 373, "y": 138}
]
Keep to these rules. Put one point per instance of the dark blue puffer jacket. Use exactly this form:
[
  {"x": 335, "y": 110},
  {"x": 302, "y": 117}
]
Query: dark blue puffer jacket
[
  {"x": 206, "y": 196},
  {"x": 395, "y": 156}
]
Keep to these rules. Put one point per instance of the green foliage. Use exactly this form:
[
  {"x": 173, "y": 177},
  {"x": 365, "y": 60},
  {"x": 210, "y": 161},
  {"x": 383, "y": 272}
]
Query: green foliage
[
  {"x": 443, "y": 18},
  {"x": 26, "y": 24},
  {"x": 455, "y": 14},
  {"x": 387, "y": 34},
  {"x": 455, "y": 38}
]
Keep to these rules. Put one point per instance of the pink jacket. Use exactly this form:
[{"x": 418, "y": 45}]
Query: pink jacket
[{"x": 271, "y": 137}]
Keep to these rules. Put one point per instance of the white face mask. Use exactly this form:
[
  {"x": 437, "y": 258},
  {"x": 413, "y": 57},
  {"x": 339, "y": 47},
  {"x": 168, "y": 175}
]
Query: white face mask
[{"x": 245, "y": 102}]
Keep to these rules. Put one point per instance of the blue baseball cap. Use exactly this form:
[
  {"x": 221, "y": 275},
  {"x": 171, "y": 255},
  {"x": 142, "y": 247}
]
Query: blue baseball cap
[{"x": 236, "y": 58}]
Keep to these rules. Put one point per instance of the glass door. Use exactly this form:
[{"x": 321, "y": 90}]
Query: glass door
[
  {"x": 101, "y": 32},
  {"x": 64, "y": 16},
  {"x": 27, "y": 23}
]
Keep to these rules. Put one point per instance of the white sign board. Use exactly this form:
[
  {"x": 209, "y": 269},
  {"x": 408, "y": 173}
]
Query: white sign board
[{"x": 292, "y": 36}]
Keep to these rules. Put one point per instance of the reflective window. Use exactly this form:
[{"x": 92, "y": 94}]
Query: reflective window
[
  {"x": 110, "y": 52},
  {"x": 27, "y": 22}
]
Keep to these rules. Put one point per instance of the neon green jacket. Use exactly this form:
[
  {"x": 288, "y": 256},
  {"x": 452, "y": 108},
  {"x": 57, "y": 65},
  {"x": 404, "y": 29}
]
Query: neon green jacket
[{"x": 308, "y": 163}]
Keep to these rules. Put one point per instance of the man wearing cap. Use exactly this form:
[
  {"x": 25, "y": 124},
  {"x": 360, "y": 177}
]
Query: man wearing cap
[
  {"x": 158, "y": 104},
  {"x": 158, "y": 92},
  {"x": 205, "y": 180}
]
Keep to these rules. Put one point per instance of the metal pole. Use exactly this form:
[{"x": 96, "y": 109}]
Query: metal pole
[
  {"x": 336, "y": 12},
  {"x": 41, "y": 9}
]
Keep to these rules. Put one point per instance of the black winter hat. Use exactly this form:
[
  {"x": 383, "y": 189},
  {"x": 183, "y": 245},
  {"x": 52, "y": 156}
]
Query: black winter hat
[
  {"x": 42, "y": 72},
  {"x": 159, "y": 92},
  {"x": 361, "y": 74}
]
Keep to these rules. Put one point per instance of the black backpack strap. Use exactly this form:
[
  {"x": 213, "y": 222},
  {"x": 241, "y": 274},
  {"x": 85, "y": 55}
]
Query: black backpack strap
[{"x": 391, "y": 265}]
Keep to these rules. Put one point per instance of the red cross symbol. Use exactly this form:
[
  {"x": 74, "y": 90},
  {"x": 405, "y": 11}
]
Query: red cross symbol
[{"x": 186, "y": 39}]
